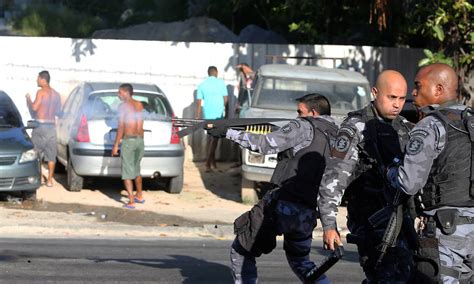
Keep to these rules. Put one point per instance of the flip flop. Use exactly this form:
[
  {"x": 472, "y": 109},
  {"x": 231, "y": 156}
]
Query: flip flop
[
  {"x": 129, "y": 206},
  {"x": 49, "y": 185},
  {"x": 138, "y": 200}
]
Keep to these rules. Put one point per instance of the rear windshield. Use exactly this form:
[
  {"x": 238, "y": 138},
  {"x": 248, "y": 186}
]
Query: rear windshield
[
  {"x": 8, "y": 115},
  {"x": 102, "y": 105},
  {"x": 280, "y": 93}
]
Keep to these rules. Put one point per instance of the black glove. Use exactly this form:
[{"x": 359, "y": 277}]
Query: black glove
[{"x": 217, "y": 132}]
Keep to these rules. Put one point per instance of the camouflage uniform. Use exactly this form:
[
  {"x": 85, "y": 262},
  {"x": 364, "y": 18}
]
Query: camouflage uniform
[
  {"x": 428, "y": 139},
  {"x": 354, "y": 168},
  {"x": 295, "y": 221}
]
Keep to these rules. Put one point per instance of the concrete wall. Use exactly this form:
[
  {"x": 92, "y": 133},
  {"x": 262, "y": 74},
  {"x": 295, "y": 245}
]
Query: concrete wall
[{"x": 176, "y": 67}]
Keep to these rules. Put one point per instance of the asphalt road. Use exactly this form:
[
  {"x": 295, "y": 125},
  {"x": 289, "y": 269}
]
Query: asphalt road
[{"x": 145, "y": 261}]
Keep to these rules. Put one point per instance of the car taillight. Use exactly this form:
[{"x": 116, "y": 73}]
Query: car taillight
[
  {"x": 83, "y": 131},
  {"x": 174, "y": 134}
]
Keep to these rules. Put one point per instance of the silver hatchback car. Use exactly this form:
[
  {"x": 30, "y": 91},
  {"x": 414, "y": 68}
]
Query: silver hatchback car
[{"x": 86, "y": 133}]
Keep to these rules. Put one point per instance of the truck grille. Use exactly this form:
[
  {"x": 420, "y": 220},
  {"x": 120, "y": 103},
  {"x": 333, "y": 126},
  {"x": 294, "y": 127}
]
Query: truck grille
[
  {"x": 6, "y": 183},
  {"x": 5, "y": 161}
]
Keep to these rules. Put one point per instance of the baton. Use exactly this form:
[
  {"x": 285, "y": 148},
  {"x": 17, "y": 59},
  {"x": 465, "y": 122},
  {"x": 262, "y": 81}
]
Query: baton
[{"x": 325, "y": 264}]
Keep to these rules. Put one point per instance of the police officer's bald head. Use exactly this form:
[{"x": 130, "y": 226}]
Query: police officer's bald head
[
  {"x": 390, "y": 77},
  {"x": 389, "y": 93},
  {"x": 435, "y": 84}
]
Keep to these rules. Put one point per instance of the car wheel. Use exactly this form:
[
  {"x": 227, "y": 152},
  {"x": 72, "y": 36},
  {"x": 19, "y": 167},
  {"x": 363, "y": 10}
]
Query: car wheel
[
  {"x": 175, "y": 184},
  {"x": 74, "y": 181},
  {"x": 29, "y": 195},
  {"x": 248, "y": 192}
]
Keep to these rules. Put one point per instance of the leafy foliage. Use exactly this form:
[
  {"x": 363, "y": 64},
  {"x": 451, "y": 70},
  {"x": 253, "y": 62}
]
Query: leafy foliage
[
  {"x": 450, "y": 25},
  {"x": 41, "y": 21},
  {"x": 80, "y": 18}
]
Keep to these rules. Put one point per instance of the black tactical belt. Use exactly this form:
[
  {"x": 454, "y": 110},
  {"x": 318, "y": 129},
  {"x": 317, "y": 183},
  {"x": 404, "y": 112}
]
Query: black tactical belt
[{"x": 462, "y": 220}]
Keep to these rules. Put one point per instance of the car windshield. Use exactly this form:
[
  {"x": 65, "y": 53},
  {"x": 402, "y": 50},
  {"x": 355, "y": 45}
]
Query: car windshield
[
  {"x": 281, "y": 93},
  {"x": 8, "y": 115},
  {"x": 102, "y": 105}
]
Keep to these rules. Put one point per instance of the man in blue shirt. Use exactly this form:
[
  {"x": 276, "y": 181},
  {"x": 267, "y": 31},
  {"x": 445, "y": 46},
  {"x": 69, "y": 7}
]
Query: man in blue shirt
[{"x": 214, "y": 94}]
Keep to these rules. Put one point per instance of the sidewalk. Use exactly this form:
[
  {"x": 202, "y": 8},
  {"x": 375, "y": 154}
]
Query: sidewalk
[{"x": 210, "y": 201}]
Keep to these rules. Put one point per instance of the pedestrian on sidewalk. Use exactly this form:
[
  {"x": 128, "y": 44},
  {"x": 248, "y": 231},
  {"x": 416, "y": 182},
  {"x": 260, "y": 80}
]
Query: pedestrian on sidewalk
[
  {"x": 212, "y": 98},
  {"x": 130, "y": 136},
  {"x": 246, "y": 77},
  {"x": 290, "y": 208},
  {"x": 45, "y": 109}
]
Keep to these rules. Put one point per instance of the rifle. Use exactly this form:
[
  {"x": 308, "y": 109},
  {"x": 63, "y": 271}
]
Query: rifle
[
  {"x": 394, "y": 226},
  {"x": 260, "y": 125},
  {"x": 395, "y": 209}
]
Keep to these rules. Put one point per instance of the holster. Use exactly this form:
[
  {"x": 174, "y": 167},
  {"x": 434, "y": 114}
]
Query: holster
[
  {"x": 446, "y": 220},
  {"x": 427, "y": 261},
  {"x": 255, "y": 229}
]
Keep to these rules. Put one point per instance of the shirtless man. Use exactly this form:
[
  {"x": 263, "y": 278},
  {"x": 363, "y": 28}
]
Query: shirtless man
[
  {"x": 130, "y": 133},
  {"x": 46, "y": 107}
]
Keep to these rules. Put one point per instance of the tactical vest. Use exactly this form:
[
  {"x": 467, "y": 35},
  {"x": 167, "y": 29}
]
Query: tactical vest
[
  {"x": 298, "y": 175},
  {"x": 382, "y": 142},
  {"x": 450, "y": 182}
]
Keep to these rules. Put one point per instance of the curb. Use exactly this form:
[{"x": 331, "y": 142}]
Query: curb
[{"x": 227, "y": 231}]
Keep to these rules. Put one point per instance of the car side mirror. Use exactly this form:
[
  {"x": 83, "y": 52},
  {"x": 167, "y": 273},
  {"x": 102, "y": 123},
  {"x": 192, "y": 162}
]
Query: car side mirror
[{"x": 32, "y": 124}]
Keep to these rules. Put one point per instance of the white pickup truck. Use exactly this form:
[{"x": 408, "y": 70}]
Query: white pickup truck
[{"x": 274, "y": 96}]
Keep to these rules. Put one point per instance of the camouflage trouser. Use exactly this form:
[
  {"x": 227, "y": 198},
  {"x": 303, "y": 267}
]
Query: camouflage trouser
[
  {"x": 296, "y": 223},
  {"x": 456, "y": 253}
]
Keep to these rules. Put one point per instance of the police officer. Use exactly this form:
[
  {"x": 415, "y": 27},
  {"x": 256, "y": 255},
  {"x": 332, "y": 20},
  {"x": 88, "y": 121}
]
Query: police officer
[
  {"x": 438, "y": 160},
  {"x": 366, "y": 143},
  {"x": 302, "y": 146}
]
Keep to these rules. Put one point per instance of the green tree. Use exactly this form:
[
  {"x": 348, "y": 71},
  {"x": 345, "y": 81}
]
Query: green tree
[
  {"x": 63, "y": 22},
  {"x": 450, "y": 26}
]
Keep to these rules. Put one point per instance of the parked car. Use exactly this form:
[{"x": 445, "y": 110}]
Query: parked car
[
  {"x": 276, "y": 89},
  {"x": 19, "y": 164},
  {"x": 86, "y": 134}
]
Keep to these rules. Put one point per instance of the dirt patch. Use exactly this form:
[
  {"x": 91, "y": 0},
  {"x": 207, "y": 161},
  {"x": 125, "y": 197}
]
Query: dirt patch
[
  {"x": 108, "y": 214},
  {"x": 210, "y": 198}
]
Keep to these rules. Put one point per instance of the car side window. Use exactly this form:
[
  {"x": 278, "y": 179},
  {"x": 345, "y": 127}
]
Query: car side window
[{"x": 8, "y": 114}]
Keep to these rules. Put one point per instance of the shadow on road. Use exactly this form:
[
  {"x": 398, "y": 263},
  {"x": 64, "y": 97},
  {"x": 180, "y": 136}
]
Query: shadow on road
[{"x": 192, "y": 269}]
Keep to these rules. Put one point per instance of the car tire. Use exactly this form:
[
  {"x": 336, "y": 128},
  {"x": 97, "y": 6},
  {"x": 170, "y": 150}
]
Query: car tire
[
  {"x": 175, "y": 184},
  {"x": 74, "y": 181},
  {"x": 28, "y": 195},
  {"x": 248, "y": 192}
]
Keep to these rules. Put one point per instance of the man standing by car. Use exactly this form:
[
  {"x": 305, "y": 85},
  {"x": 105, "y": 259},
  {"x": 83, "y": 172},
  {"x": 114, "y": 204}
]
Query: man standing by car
[
  {"x": 290, "y": 209},
  {"x": 367, "y": 142},
  {"x": 214, "y": 94},
  {"x": 130, "y": 134},
  {"x": 45, "y": 108}
]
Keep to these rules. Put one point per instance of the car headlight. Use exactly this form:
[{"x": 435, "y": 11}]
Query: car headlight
[{"x": 28, "y": 156}]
